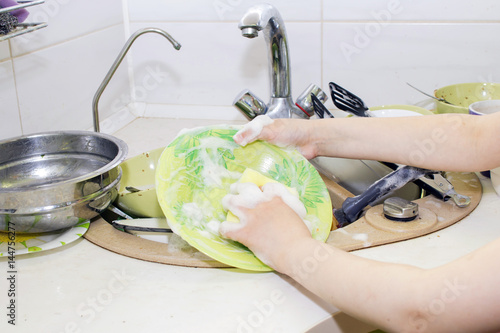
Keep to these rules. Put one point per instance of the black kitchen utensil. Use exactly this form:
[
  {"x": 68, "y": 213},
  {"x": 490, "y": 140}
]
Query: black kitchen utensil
[
  {"x": 319, "y": 108},
  {"x": 352, "y": 207},
  {"x": 347, "y": 101},
  {"x": 124, "y": 225}
]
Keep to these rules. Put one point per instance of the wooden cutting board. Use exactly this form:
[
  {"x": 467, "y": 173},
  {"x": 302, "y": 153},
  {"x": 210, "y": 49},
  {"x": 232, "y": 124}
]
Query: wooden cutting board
[{"x": 370, "y": 230}]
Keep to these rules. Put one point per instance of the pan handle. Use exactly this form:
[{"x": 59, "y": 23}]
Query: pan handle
[{"x": 352, "y": 207}]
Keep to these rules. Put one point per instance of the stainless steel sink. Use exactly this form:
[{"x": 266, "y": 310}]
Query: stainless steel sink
[{"x": 357, "y": 175}]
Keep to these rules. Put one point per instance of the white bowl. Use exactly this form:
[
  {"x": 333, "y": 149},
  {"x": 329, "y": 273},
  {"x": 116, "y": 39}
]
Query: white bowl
[{"x": 484, "y": 107}]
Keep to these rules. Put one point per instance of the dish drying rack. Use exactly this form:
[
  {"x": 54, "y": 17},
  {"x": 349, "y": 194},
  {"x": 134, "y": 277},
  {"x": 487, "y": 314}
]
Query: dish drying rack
[{"x": 22, "y": 28}]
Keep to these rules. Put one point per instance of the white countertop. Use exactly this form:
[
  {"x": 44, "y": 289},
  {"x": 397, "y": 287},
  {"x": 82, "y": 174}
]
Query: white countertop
[{"x": 81, "y": 287}]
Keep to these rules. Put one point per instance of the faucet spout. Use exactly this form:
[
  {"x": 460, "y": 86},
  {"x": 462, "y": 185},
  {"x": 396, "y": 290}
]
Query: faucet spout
[
  {"x": 114, "y": 67},
  {"x": 266, "y": 18}
]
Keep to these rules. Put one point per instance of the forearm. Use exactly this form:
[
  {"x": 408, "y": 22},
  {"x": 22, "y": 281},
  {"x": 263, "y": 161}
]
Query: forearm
[
  {"x": 368, "y": 290},
  {"x": 443, "y": 142},
  {"x": 459, "y": 296}
]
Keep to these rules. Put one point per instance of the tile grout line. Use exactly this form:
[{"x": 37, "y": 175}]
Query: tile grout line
[{"x": 15, "y": 88}]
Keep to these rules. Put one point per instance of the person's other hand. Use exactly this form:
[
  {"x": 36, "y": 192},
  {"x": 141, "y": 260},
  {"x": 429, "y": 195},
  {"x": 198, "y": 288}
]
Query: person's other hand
[
  {"x": 281, "y": 132},
  {"x": 268, "y": 228}
]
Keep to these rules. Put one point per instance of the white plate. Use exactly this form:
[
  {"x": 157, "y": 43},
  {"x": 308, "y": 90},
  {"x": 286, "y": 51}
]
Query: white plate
[
  {"x": 29, "y": 243},
  {"x": 393, "y": 113}
]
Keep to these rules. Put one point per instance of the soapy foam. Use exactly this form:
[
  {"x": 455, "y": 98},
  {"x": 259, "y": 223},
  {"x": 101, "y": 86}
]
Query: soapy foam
[
  {"x": 213, "y": 226},
  {"x": 360, "y": 237},
  {"x": 252, "y": 130},
  {"x": 434, "y": 203},
  {"x": 248, "y": 195},
  {"x": 213, "y": 172},
  {"x": 356, "y": 236},
  {"x": 277, "y": 189},
  {"x": 193, "y": 212}
]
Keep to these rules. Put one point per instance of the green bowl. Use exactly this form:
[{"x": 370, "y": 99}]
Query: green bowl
[
  {"x": 195, "y": 172},
  {"x": 139, "y": 172},
  {"x": 464, "y": 94}
]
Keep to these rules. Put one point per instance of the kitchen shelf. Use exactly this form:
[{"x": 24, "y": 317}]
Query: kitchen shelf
[{"x": 22, "y": 28}]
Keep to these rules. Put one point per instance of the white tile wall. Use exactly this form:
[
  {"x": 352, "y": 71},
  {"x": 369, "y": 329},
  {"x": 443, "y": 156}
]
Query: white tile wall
[
  {"x": 217, "y": 10},
  {"x": 4, "y": 51},
  {"x": 215, "y": 64},
  {"x": 371, "y": 47},
  {"x": 49, "y": 77},
  {"x": 66, "y": 21},
  {"x": 427, "y": 55},
  {"x": 408, "y": 10},
  {"x": 56, "y": 84},
  {"x": 10, "y": 124}
]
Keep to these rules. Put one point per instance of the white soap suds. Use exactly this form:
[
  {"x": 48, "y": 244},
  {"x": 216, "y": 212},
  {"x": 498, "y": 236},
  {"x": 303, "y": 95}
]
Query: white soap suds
[
  {"x": 213, "y": 172},
  {"x": 252, "y": 130},
  {"x": 434, "y": 203},
  {"x": 213, "y": 226},
  {"x": 356, "y": 236},
  {"x": 193, "y": 212},
  {"x": 249, "y": 195},
  {"x": 279, "y": 190},
  {"x": 360, "y": 237}
]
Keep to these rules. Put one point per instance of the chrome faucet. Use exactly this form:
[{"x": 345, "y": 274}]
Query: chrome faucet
[
  {"x": 118, "y": 61},
  {"x": 266, "y": 18}
]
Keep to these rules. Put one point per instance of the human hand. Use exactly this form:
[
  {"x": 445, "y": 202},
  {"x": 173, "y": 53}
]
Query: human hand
[
  {"x": 269, "y": 225},
  {"x": 281, "y": 132}
]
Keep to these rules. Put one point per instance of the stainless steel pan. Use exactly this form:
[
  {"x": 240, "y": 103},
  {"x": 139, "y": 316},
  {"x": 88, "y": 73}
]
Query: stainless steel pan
[{"x": 52, "y": 180}]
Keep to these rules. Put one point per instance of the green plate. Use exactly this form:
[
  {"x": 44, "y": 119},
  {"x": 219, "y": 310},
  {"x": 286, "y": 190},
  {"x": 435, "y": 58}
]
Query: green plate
[
  {"x": 139, "y": 172},
  {"x": 29, "y": 243},
  {"x": 195, "y": 172}
]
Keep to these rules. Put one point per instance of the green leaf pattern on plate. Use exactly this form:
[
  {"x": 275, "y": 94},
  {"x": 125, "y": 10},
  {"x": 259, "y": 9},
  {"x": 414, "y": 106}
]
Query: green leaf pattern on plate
[
  {"x": 47, "y": 241},
  {"x": 195, "y": 172}
]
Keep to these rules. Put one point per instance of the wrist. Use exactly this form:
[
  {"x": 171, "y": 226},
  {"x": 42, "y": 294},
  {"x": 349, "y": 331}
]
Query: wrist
[
  {"x": 318, "y": 134},
  {"x": 295, "y": 260}
]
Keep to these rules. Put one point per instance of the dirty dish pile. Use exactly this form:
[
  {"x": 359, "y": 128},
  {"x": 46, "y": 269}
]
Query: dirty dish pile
[
  {"x": 137, "y": 193},
  {"x": 54, "y": 180},
  {"x": 195, "y": 172},
  {"x": 464, "y": 94}
]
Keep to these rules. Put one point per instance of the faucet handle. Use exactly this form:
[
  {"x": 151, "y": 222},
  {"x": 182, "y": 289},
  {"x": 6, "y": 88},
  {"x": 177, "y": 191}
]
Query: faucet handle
[
  {"x": 249, "y": 104},
  {"x": 304, "y": 101}
]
